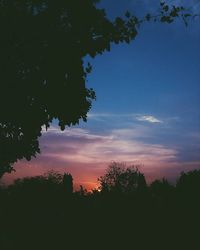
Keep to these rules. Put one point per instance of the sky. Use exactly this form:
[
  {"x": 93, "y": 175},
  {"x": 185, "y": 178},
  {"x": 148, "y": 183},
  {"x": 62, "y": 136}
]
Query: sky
[{"x": 147, "y": 108}]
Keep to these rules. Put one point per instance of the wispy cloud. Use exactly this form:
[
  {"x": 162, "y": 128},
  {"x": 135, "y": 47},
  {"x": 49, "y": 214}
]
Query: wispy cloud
[
  {"x": 148, "y": 118},
  {"x": 80, "y": 146},
  {"x": 132, "y": 116},
  {"x": 73, "y": 132}
]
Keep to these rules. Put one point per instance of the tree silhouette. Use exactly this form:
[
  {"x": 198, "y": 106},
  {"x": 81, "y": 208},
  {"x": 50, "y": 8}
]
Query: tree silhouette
[
  {"x": 121, "y": 179},
  {"x": 81, "y": 191},
  {"x": 161, "y": 187},
  {"x": 162, "y": 192},
  {"x": 68, "y": 183},
  {"x": 49, "y": 180},
  {"x": 42, "y": 72},
  {"x": 189, "y": 180}
]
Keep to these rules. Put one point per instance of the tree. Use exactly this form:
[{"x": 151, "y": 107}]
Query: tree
[
  {"x": 122, "y": 179},
  {"x": 161, "y": 188},
  {"x": 68, "y": 183},
  {"x": 189, "y": 183},
  {"x": 42, "y": 72},
  {"x": 51, "y": 178}
]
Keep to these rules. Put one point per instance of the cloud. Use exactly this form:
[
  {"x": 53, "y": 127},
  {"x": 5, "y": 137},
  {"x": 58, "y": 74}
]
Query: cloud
[
  {"x": 72, "y": 132},
  {"x": 132, "y": 116},
  {"x": 82, "y": 147},
  {"x": 148, "y": 118}
]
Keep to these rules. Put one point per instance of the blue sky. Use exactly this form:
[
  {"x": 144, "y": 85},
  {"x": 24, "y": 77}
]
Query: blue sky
[
  {"x": 147, "y": 108},
  {"x": 157, "y": 75}
]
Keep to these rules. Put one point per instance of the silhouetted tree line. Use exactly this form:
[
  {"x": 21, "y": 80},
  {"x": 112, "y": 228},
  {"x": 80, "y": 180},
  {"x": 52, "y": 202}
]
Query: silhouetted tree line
[{"x": 44, "y": 212}]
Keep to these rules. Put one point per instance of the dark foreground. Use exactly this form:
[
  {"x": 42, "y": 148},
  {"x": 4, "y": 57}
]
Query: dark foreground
[{"x": 46, "y": 216}]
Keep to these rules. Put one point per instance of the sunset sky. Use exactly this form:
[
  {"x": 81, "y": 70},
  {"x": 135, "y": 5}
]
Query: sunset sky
[{"x": 147, "y": 108}]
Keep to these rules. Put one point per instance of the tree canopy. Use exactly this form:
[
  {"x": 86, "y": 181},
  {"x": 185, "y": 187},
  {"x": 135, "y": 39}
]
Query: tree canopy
[
  {"x": 42, "y": 71},
  {"x": 122, "y": 178}
]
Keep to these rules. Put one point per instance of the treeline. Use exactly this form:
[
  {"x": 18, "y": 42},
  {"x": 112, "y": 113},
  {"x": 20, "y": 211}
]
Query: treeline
[{"x": 44, "y": 212}]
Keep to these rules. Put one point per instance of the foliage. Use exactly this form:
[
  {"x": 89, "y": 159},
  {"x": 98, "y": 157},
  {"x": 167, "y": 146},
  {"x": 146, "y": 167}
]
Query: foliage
[
  {"x": 119, "y": 178},
  {"x": 54, "y": 177},
  {"x": 67, "y": 182},
  {"x": 160, "y": 187},
  {"x": 82, "y": 191},
  {"x": 47, "y": 184},
  {"x": 189, "y": 182}
]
